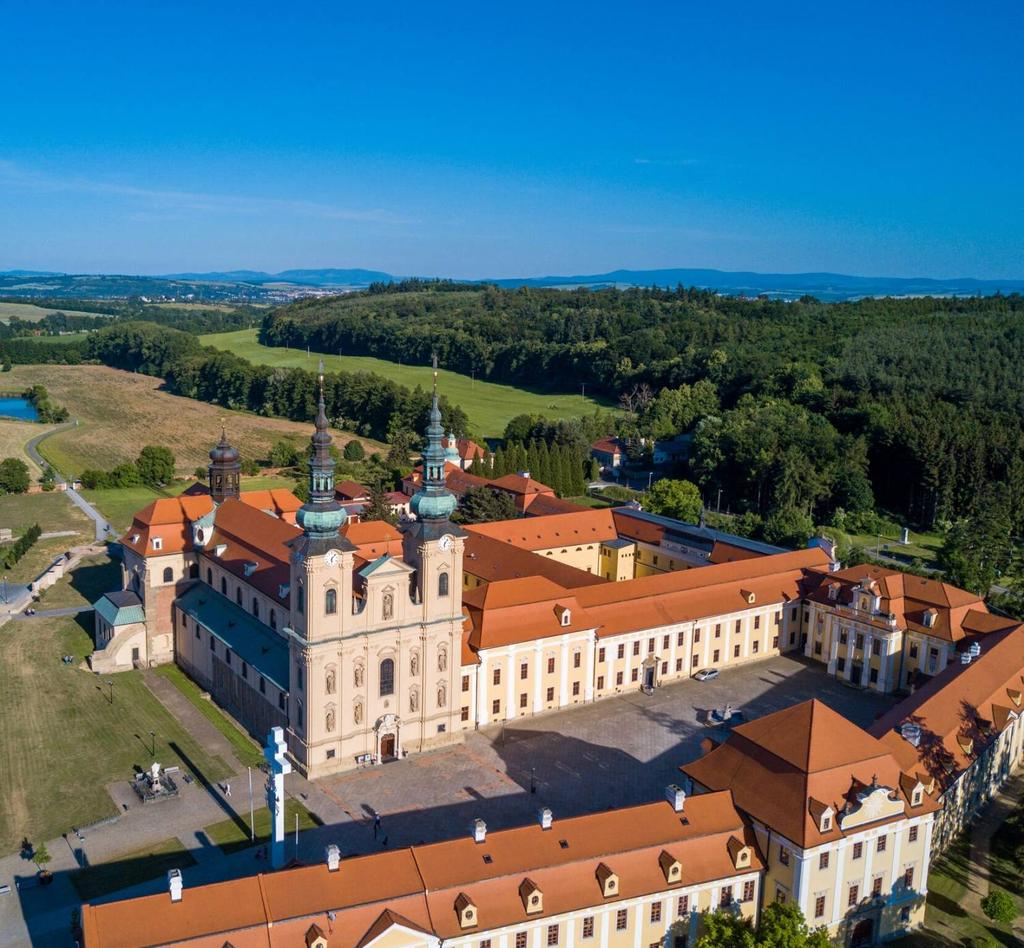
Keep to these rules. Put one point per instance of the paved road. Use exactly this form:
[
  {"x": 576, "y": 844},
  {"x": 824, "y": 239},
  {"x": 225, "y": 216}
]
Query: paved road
[
  {"x": 44, "y": 613},
  {"x": 103, "y": 531}
]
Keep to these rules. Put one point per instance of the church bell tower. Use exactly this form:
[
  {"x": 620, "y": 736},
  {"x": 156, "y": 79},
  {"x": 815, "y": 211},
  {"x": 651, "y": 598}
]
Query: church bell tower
[{"x": 224, "y": 471}]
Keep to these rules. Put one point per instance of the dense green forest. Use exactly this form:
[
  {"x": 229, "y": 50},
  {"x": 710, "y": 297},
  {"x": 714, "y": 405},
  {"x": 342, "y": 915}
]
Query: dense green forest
[{"x": 906, "y": 404}]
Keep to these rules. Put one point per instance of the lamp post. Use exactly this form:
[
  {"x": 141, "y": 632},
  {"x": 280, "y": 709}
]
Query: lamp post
[{"x": 110, "y": 685}]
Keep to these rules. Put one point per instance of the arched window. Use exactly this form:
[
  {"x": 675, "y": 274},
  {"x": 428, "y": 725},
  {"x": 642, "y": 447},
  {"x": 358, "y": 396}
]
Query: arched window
[
  {"x": 238, "y": 595},
  {"x": 331, "y": 601},
  {"x": 387, "y": 677},
  {"x": 223, "y": 586},
  {"x": 255, "y": 607},
  {"x": 273, "y": 620},
  {"x": 300, "y": 599},
  {"x": 442, "y": 584},
  {"x": 209, "y": 577},
  {"x": 193, "y": 571},
  {"x": 168, "y": 575}
]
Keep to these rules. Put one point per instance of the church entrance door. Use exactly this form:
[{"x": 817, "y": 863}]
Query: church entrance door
[
  {"x": 863, "y": 933},
  {"x": 387, "y": 746}
]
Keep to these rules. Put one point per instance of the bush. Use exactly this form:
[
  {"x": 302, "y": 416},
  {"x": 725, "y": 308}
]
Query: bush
[
  {"x": 283, "y": 454},
  {"x": 156, "y": 465},
  {"x": 250, "y": 467},
  {"x": 999, "y": 906},
  {"x": 354, "y": 451},
  {"x": 20, "y": 547},
  {"x": 93, "y": 479}
]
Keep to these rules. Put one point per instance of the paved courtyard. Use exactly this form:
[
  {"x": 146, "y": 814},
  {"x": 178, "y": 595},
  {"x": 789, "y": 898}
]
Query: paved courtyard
[{"x": 616, "y": 752}]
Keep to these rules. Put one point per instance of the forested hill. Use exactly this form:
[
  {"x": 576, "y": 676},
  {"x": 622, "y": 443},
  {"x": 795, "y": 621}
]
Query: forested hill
[{"x": 923, "y": 394}]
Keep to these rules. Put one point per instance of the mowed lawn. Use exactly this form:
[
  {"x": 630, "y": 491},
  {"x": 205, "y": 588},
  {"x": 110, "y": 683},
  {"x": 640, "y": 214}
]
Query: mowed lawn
[
  {"x": 53, "y": 512},
  {"x": 121, "y": 412},
  {"x": 488, "y": 405},
  {"x": 66, "y": 741}
]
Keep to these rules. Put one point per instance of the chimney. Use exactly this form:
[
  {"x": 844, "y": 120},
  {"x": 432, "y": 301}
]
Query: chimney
[
  {"x": 479, "y": 831},
  {"x": 174, "y": 884},
  {"x": 544, "y": 816},
  {"x": 676, "y": 796},
  {"x": 333, "y": 857}
]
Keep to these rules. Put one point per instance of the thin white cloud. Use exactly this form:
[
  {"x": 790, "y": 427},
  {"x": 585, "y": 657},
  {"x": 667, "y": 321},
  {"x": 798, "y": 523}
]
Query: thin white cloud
[
  {"x": 668, "y": 162},
  {"x": 13, "y": 175}
]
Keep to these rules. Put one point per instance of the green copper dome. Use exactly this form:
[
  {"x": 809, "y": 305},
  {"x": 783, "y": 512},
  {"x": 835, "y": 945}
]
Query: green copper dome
[
  {"x": 321, "y": 516},
  {"x": 433, "y": 501}
]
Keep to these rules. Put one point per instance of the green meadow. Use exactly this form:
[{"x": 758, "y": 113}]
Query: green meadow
[{"x": 488, "y": 405}]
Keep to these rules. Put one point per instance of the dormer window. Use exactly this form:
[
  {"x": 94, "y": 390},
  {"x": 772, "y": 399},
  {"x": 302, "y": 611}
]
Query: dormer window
[
  {"x": 833, "y": 592},
  {"x": 748, "y": 596},
  {"x": 158, "y": 543},
  {"x": 929, "y": 618},
  {"x": 607, "y": 880},
  {"x": 826, "y": 823},
  {"x": 917, "y": 796},
  {"x": 251, "y": 567},
  {"x": 466, "y": 911},
  {"x": 533, "y": 898},
  {"x": 564, "y": 616},
  {"x": 135, "y": 538},
  {"x": 671, "y": 867},
  {"x": 739, "y": 851}
]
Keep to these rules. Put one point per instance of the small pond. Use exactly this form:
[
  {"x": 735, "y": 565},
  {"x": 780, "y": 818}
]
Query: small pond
[{"x": 14, "y": 407}]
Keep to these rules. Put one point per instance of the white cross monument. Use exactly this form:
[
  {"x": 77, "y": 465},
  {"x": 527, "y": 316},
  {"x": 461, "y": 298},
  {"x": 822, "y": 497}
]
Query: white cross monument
[{"x": 278, "y": 766}]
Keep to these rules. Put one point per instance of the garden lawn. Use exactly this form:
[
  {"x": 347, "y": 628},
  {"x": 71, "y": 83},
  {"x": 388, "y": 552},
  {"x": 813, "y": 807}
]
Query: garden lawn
[
  {"x": 94, "y": 576},
  {"x": 488, "y": 405},
  {"x": 246, "y": 749},
  {"x": 53, "y": 511},
  {"x": 131, "y": 869},
  {"x": 232, "y": 835},
  {"x": 120, "y": 505},
  {"x": 67, "y": 740}
]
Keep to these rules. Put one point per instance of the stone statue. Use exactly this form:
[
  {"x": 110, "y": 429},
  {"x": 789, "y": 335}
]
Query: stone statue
[
  {"x": 329, "y": 718},
  {"x": 414, "y": 700},
  {"x": 414, "y": 664},
  {"x": 329, "y": 681},
  {"x": 357, "y": 674},
  {"x": 442, "y": 659},
  {"x": 389, "y": 606},
  {"x": 357, "y": 713},
  {"x": 441, "y": 695}
]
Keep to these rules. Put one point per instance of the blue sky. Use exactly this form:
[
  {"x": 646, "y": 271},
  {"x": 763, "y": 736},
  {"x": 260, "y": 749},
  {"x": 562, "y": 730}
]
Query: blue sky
[{"x": 513, "y": 139}]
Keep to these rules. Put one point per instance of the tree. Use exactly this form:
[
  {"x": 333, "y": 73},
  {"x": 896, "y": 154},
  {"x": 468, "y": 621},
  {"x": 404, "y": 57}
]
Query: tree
[
  {"x": 725, "y": 930},
  {"x": 999, "y": 906},
  {"x": 483, "y": 505},
  {"x": 14, "y": 476},
  {"x": 41, "y": 856},
  {"x": 378, "y": 507},
  {"x": 354, "y": 450},
  {"x": 156, "y": 465},
  {"x": 250, "y": 467},
  {"x": 978, "y": 548},
  {"x": 48, "y": 481},
  {"x": 788, "y": 526},
  {"x": 678, "y": 499},
  {"x": 595, "y": 470},
  {"x": 402, "y": 442},
  {"x": 284, "y": 454},
  {"x": 125, "y": 475},
  {"x": 783, "y": 926}
]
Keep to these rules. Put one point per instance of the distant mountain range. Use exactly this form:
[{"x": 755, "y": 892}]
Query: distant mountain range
[{"x": 260, "y": 286}]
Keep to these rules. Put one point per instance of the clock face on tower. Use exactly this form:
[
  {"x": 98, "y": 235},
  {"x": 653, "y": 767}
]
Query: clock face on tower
[
  {"x": 445, "y": 543},
  {"x": 331, "y": 558}
]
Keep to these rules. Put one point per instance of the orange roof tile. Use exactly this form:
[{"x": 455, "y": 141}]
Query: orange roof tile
[
  {"x": 544, "y": 533},
  {"x": 780, "y": 766}
]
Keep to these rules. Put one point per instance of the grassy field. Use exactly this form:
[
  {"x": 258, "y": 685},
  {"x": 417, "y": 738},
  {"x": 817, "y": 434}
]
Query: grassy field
[
  {"x": 922, "y": 546},
  {"x": 488, "y": 404},
  {"x": 14, "y": 435},
  {"x": 52, "y": 511},
  {"x": 120, "y": 412},
  {"x": 233, "y": 835},
  {"x": 246, "y": 749},
  {"x": 71, "y": 740},
  {"x": 93, "y": 576},
  {"x": 132, "y": 868},
  {"x": 32, "y": 313}
]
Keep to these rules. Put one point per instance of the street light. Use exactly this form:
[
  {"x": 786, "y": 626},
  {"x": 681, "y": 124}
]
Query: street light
[{"x": 110, "y": 685}]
